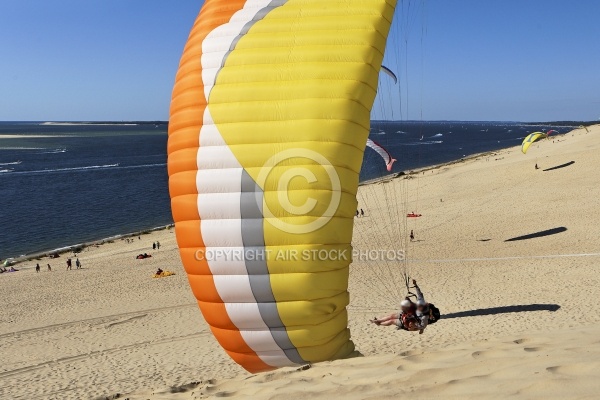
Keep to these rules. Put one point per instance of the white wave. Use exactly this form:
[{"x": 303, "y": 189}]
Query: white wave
[
  {"x": 143, "y": 166},
  {"x": 22, "y": 148},
  {"x": 55, "y": 151},
  {"x": 401, "y": 132},
  {"x": 423, "y": 143},
  {"x": 11, "y": 163},
  {"x": 437, "y": 135},
  {"x": 31, "y": 136},
  {"x": 3, "y": 171},
  {"x": 47, "y": 171},
  {"x": 88, "y": 168}
]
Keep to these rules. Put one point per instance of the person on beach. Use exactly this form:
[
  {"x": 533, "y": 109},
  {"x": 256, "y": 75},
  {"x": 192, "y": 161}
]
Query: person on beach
[
  {"x": 37, "y": 267},
  {"x": 159, "y": 272},
  {"x": 157, "y": 245},
  {"x": 49, "y": 268},
  {"x": 69, "y": 264},
  {"x": 357, "y": 213},
  {"x": 153, "y": 246},
  {"x": 362, "y": 212},
  {"x": 78, "y": 264},
  {"x": 412, "y": 236}
]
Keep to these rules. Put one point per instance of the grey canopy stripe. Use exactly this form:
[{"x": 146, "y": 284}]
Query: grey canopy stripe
[
  {"x": 258, "y": 272},
  {"x": 253, "y": 233}
]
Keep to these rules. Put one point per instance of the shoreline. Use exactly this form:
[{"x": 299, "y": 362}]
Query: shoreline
[
  {"x": 409, "y": 174},
  {"x": 416, "y": 171},
  {"x": 79, "y": 247},
  {"x": 472, "y": 157}
]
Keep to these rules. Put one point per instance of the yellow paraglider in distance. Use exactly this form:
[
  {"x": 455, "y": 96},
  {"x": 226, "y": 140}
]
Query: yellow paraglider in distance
[{"x": 531, "y": 139}]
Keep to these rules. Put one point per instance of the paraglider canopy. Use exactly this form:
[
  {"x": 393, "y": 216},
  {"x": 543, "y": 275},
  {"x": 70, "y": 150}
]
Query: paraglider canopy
[
  {"x": 269, "y": 119},
  {"x": 531, "y": 139},
  {"x": 387, "y": 157},
  {"x": 390, "y": 73}
]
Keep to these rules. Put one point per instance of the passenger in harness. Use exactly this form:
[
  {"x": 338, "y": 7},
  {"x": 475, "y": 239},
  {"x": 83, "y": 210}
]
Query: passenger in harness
[
  {"x": 405, "y": 319},
  {"x": 412, "y": 316}
]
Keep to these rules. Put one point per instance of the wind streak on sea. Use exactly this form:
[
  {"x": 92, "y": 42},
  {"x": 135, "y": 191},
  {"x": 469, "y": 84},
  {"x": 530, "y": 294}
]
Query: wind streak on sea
[{"x": 84, "y": 169}]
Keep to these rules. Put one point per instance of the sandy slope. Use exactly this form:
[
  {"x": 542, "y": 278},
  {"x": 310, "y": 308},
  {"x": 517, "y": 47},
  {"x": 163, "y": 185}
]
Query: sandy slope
[
  {"x": 537, "y": 366},
  {"x": 522, "y": 317}
]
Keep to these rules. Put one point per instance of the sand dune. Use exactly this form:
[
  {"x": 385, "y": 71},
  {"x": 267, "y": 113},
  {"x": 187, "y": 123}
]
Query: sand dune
[
  {"x": 507, "y": 252},
  {"x": 524, "y": 366}
]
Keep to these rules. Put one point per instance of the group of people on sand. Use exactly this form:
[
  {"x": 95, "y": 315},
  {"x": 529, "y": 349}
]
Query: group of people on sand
[
  {"x": 360, "y": 213},
  {"x": 412, "y": 316},
  {"x": 78, "y": 265},
  {"x": 70, "y": 264},
  {"x": 4, "y": 269},
  {"x": 156, "y": 245},
  {"x": 38, "y": 268}
]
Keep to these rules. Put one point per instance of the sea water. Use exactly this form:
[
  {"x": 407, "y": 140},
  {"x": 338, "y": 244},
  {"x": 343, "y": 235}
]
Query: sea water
[{"x": 63, "y": 184}]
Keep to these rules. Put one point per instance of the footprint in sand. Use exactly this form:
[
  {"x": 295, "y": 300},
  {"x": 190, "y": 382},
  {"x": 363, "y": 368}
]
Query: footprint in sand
[
  {"x": 487, "y": 354},
  {"x": 225, "y": 394},
  {"x": 468, "y": 378},
  {"x": 577, "y": 369},
  {"x": 531, "y": 349},
  {"x": 410, "y": 353},
  {"x": 184, "y": 388}
]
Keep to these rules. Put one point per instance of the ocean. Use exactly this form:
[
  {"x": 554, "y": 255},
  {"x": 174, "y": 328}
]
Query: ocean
[{"x": 65, "y": 184}]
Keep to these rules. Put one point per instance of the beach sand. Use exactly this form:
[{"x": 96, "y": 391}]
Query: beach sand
[{"x": 522, "y": 317}]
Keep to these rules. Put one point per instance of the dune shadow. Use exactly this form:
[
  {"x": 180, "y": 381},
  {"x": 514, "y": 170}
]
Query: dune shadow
[
  {"x": 565, "y": 165},
  {"x": 503, "y": 310},
  {"x": 549, "y": 232}
]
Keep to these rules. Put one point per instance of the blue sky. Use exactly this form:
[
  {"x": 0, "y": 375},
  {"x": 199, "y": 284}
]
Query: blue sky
[{"x": 467, "y": 59}]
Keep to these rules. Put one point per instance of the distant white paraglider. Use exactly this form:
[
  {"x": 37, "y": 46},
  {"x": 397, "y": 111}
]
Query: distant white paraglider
[{"x": 387, "y": 157}]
